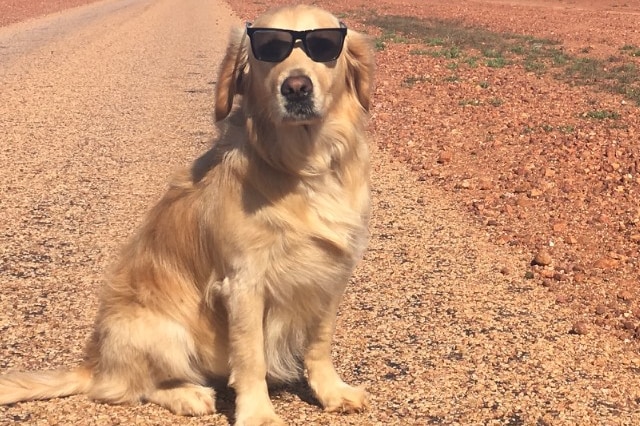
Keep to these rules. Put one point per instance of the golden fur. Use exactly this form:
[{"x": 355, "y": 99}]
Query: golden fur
[{"x": 238, "y": 271}]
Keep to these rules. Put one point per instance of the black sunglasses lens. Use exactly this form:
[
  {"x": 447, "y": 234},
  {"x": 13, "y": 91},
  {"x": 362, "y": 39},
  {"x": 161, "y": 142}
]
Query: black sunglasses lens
[
  {"x": 324, "y": 45},
  {"x": 271, "y": 46}
]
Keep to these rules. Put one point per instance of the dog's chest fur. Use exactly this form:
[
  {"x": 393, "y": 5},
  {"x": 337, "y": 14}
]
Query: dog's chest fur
[
  {"x": 311, "y": 236},
  {"x": 297, "y": 242},
  {"x": 306, "y": 276}
]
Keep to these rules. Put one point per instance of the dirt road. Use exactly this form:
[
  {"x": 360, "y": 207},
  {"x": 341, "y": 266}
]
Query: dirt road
[{"x": 438, "y": 323}]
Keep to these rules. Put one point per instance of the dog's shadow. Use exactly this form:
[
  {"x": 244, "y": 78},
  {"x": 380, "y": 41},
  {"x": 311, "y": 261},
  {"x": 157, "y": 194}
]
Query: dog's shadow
[{"x": 225, "y": 396}]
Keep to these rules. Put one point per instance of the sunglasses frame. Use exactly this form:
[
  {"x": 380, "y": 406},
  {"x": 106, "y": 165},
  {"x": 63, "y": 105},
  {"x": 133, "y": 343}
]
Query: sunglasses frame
[{"x": 296, "y": 35}]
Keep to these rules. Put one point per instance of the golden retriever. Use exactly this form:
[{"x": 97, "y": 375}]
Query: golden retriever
[{"x": 239, "y": 269}]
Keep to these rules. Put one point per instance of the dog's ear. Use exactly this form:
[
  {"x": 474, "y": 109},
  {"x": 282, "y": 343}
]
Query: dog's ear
[
  {"x": 232, "y": 73},
  {"x": 360, "y": 67}
]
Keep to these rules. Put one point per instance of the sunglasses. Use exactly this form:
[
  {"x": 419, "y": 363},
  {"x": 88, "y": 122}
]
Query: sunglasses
[{"x": 275, "y": 45}]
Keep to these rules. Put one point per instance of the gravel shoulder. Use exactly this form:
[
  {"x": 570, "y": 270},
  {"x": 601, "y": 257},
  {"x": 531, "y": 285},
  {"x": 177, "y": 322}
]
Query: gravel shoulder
[{"x": 439, "y": 321}]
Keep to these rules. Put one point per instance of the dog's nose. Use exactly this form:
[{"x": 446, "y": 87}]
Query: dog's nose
[{"x": 296, "y": 88}]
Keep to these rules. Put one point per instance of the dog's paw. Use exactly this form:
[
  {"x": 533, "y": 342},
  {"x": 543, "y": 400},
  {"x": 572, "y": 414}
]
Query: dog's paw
[
  {"x": 260, "y": 420},
  {"x": 345, "y": 399},
  {"x": 190, "y": 400}
]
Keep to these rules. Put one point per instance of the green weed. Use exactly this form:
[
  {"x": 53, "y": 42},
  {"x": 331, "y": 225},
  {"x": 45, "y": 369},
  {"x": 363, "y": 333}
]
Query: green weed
[
  {"x": 471, "y": 102},
  {"x": 567, "y": 128},
  {"x": 413, "y": 80},
  {"x": 420, "y": 52},
  {"x": 631, "y": 49},
  {"x": 602, "y": 114},
  {"x": 389, "y": 36},
  {"x": 471, "y": 61},
  {"x": 452, "y": 66},
  {"x": 498, "y": 62}
]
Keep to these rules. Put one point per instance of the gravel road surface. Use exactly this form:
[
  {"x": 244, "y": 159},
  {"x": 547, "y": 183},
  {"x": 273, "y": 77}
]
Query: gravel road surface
[{"x": 99, "y": 105}]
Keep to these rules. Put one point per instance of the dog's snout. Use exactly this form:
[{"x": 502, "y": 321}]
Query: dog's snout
[{"x": 297, "y": 87}]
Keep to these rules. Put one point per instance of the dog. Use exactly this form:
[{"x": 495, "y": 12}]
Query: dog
[{"x": 239, "y": 269}]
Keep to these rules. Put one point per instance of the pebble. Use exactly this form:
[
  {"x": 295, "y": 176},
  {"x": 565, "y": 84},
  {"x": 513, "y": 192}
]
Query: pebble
[
  {"x": 445, "y": 157},
  {"x": 559, "y": 226},
  {"x": 546, "y": 273},
  {"x": 605, "y": 263},
  {"x": 558, "y": 276},
  {"x": 535, "y": 192},
  {"x": 580, "y": 328},
  {"x": 625, "y": 295},
  {"x": 485, "y": 184},
  {"x": 542, "y": 258}
]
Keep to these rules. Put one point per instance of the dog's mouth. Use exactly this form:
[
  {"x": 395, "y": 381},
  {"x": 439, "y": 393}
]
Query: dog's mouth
[{"x": 300, "y": 111}]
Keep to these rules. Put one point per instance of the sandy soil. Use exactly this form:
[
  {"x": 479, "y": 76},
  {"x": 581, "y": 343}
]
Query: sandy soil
[
  {"x": 446, "y": 321},
  {"x": 12, "y": 11}
]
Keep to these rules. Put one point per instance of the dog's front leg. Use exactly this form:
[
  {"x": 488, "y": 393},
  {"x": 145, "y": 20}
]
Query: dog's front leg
[
  {"x": 245, "y": 308},
  {"x": 331, "y": 391}
]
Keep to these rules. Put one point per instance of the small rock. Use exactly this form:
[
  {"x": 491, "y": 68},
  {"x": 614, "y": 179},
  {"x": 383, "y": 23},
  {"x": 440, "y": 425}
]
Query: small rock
[
  {"x": 601, "y": 309},
  {"x": 542, "y": 258},
  {"x": 580, "y": 328},
  {"x": 507, "y": 209},
  {"x": 559, "y": 226},
  {"x": 605, "y": 263},
  {"x": 524, "y": 202},
  {"x": 628, "y": 325},
  {"x": 534, "y": 193},
  {"x": 522, "y": 188},
  {"x": 625, "y": 295},
  {"x": 503, "y": 239},
  {"x": 559, "y": 276},
  {"x": 546, "y": 273},
  {"x": 562, "y": 299},
  {"x": 505, "y": 271},
  {"x": 485, "y": 184},
  {"x": 445, "y": 157}
]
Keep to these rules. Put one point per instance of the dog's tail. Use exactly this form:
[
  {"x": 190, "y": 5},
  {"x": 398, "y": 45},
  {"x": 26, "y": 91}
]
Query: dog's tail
[{"x": 26, "y": 386}]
